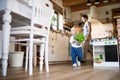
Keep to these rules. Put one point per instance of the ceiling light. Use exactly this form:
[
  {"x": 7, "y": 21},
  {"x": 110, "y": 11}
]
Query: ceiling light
[
  {"x": 97, "y": 2},
  {"x": 105, "y": 1},
  {"x": 89, "y": 3}
]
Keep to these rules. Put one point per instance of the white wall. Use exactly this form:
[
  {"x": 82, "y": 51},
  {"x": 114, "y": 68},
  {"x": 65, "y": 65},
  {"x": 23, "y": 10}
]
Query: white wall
[
  {"x": 100, "y": 30},
  {"x": 75, "y": 16}
]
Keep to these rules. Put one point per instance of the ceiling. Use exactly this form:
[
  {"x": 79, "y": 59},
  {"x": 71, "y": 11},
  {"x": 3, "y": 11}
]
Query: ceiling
[{"x": 77, "y": 5}]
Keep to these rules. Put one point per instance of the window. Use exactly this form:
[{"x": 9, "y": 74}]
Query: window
[
  {"x": 57, "y": 22},
  {"x": 60, "y": 22}
]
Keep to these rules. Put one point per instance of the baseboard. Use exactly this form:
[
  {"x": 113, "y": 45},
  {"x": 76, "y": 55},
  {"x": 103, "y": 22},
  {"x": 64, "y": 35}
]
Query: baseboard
[
  {"x": 59, "y": 62},
  {"x": 68, "y": 61},
  {"x": 89, "y": 60}
]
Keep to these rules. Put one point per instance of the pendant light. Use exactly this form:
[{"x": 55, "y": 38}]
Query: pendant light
[
  {"x": 105, "y": 1},
  {"x": 96, "y": 2},
  {"x": 89, "y": 3}
]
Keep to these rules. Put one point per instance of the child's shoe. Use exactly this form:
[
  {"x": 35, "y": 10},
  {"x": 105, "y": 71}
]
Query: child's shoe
[
  {"x": 78, "y": 63},
  {"x": 74, "y": 65}
]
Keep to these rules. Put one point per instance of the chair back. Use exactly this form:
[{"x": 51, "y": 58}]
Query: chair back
[{"x": 42, "y": 13}]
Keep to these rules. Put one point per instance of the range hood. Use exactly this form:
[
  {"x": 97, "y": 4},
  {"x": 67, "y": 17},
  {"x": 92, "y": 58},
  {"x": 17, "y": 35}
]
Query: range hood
[
  {"x": 93, "y": 13},
  {"x": 98, "y": 29}
]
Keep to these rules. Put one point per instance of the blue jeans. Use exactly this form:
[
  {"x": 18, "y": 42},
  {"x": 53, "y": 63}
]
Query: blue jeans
[{"x": 76, "y": 52}]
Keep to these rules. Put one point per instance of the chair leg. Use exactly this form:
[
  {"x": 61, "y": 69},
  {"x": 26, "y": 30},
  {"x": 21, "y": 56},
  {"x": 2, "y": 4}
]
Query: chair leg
[
  {"x": 35, "y": 55},
  {"x": 31, "y": 54},
  {"x": 5, "y": 40},
  {"x": 46, "y": 55},
  {"x": 41, "y": 56},
  {"x": 26, "y": 61}
]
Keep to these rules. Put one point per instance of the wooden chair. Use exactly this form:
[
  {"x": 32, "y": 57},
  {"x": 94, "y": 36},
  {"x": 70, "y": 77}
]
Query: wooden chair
[{"x": 36, "y": 33}]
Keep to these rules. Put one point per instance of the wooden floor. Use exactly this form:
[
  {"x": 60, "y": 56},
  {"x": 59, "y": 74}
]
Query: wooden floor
[{"x": 65, "y": 72}]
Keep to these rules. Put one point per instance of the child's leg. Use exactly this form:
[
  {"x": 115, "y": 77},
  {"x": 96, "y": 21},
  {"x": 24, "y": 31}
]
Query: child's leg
[
  {"x": 79, "y": 53},
  {"x": 73, "y": 55}
]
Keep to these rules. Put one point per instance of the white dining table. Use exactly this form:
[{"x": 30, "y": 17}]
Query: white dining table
[{"x": 12, "y": 13}]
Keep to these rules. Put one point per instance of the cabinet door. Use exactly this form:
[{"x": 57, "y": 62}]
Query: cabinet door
[
  {"x": 111, "y": 53},
  {"x": 60, "y": 48},
  {"x": 51, "y": 53},
  {"x": 52, "y": 38},
  {"x": 52, "y": 44}
]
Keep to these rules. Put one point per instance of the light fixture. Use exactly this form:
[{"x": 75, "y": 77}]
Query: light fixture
[
  {"x": 89, "y": 3},
  {"x": 105, "y": 1},
  {"x": 97, "y": 2}
]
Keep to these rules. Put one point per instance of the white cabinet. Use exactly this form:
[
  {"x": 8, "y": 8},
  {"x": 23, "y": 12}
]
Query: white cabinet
[
  {"x": 97, "y": 51},
  {"x": 52, "y": 38},
  {"x": 105, "y": 53},
  {"x": 58, "y": 47}
]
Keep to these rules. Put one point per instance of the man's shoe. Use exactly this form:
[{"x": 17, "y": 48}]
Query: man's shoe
[{"x": 82, "y": 61}]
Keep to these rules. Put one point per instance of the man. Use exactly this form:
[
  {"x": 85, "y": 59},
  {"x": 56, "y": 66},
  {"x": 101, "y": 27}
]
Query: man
[{"x": 87, "y": 34}]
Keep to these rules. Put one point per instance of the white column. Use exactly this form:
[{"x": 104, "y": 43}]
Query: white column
[{"x": 5, "y": 39}]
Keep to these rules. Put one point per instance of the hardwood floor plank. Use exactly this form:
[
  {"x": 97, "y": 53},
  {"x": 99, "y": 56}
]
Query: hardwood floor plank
[{"x": 64, "y": 72}]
